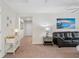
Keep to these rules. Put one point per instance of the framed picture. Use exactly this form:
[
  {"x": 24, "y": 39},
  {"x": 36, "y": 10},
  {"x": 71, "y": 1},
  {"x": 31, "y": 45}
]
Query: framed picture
[{"x": 65, "y": 23}]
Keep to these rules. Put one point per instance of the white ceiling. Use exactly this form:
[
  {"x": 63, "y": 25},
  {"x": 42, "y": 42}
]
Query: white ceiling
[{"x": 41, "y": 6}]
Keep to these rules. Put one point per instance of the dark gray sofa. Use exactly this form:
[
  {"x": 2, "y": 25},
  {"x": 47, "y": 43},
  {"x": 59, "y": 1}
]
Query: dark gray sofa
[{"x": 66, "y": 39}]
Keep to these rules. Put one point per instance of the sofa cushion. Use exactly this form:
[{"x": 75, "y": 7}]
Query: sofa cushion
[
  {"x": 67, "y": 41},
  {"x": 76, "y": 35},
  {"x": 68, "y": 36},
  {"x": 75, "y": 41}
]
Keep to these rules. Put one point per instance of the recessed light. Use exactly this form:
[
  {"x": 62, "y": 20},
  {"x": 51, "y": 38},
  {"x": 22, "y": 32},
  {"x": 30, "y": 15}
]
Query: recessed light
[{"x": 46, "y": 1}]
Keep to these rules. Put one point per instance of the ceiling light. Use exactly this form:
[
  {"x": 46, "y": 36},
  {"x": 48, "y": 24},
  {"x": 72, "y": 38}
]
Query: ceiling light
[
  {"x": 73, "y": 10},
  {"x": 46, "y": 1}
]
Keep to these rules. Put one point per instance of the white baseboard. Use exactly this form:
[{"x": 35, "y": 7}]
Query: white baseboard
[{"x": 37, "y": 42}]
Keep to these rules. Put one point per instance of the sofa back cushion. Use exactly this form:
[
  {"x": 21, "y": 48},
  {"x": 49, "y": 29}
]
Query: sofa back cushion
[
  {"x": 59, "y": 35},
  {"x": 76, "y": 35},
  {"x": 67, "y": 35}
]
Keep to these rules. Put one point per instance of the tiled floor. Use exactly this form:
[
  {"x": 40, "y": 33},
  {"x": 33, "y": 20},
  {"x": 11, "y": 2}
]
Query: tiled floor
[{"x": 28, "y": 50}]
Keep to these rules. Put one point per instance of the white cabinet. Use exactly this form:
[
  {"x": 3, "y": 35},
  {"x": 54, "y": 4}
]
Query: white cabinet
[
  {"x": 12, "y": 45},
  {"x": 11, "y": 40}
]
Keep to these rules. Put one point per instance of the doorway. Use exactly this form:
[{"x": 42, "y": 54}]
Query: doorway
[
  {"x": 28, "y": 28},
  {"x": 28, "y": 31}
]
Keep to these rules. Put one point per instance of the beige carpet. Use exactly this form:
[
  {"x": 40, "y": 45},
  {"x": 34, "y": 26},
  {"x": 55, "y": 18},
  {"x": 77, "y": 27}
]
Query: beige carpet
[{"x": 28, "y": 50}]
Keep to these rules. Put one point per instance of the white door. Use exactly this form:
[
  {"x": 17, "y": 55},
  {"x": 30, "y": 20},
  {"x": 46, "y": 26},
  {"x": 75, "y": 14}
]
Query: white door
[{"x": 28, "y": 28}]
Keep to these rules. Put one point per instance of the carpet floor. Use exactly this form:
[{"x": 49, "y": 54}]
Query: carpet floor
[{"x": 29, "y": 50}]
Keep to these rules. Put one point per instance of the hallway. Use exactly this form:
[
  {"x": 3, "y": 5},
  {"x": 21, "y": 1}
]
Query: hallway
[{"x": 28, "y": 50}]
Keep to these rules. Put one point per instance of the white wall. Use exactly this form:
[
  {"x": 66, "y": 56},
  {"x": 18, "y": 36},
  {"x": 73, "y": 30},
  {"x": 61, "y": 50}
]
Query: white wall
[
  {"x": 6, "y": 12},
  {"x": 21, "y": 28},
  {"x": 49, "y": 19},
  {"x": 39, "y": 19}
]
